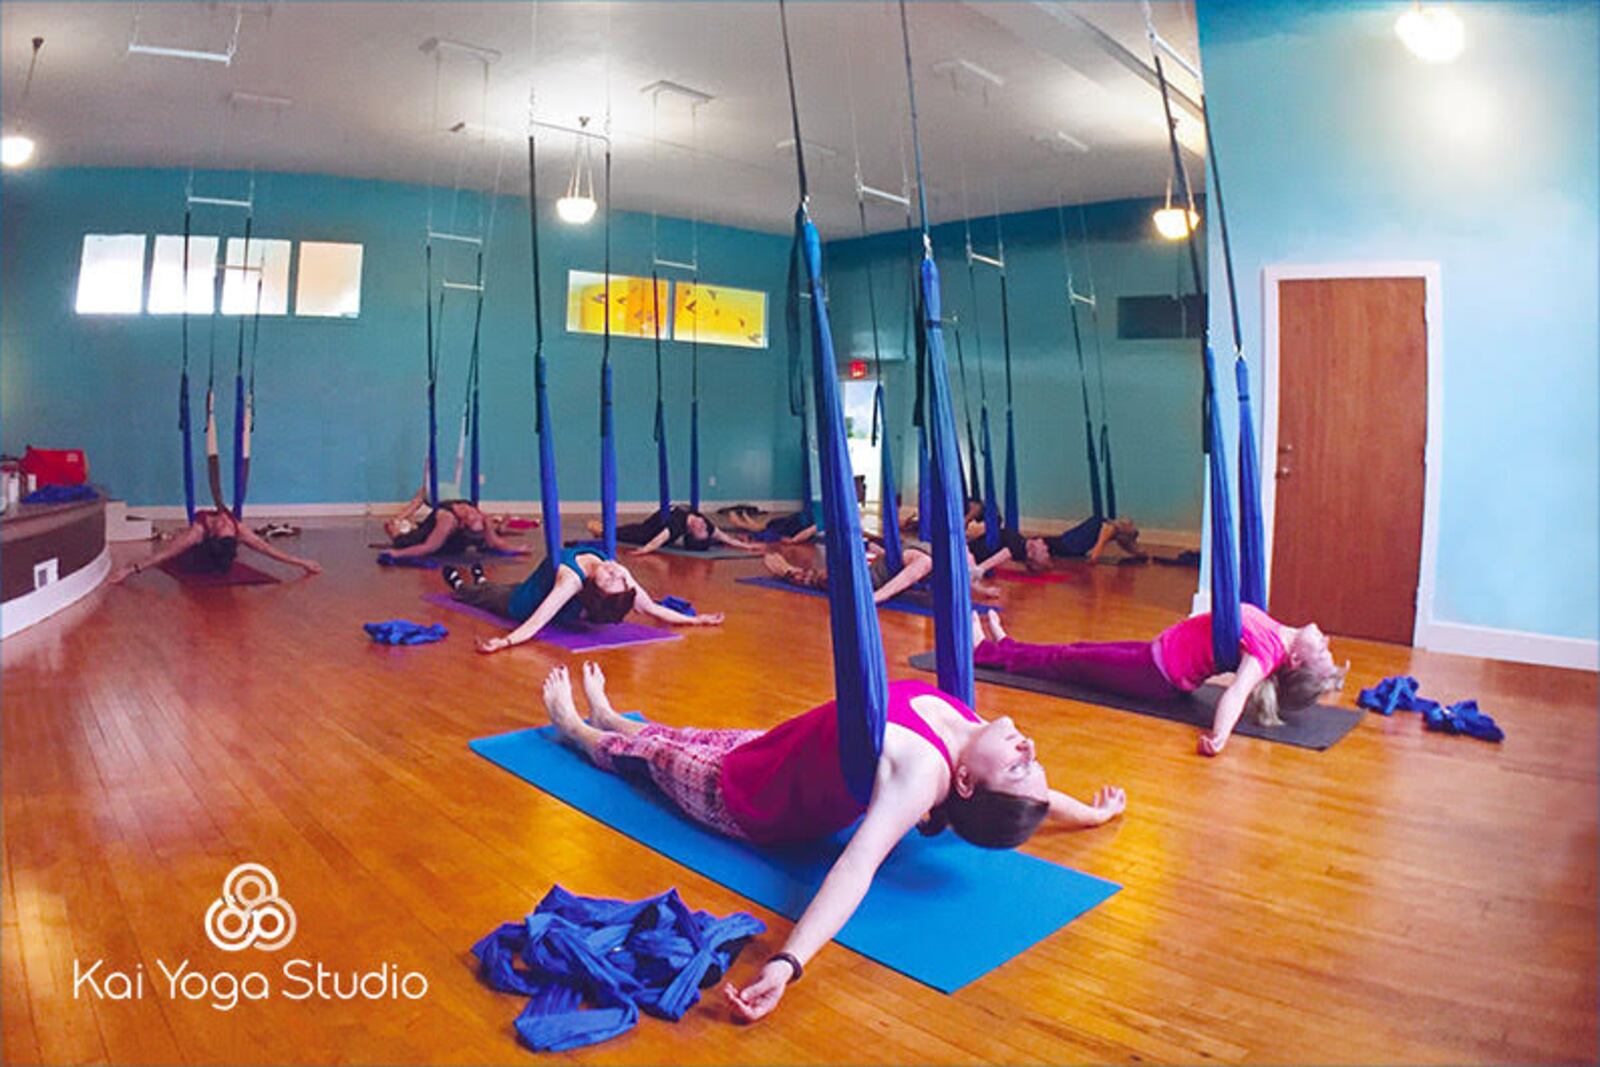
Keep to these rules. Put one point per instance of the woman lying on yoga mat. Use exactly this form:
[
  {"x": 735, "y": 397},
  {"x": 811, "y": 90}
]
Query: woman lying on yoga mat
[
  {"x": 210, "y": 543},
  {"x": 1280, "y": 666},
  {"x": 584, "y": 584},
  {"x": 792, "y": 529},
  {"x": 680, "y": 526},
  {"x": 917, "y": 563},
  {"x": 941, "y": 766},
  {"x": 451, "y": 528},
  {"x": 1088, "y": 540}
]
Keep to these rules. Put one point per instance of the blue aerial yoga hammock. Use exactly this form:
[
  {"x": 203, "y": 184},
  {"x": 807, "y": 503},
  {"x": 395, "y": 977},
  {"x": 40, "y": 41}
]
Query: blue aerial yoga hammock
[
  {"x": 663, "y": 473},
  {"x": 1013, "y": 512},
  {"x": 185, "y": 426},
  {"x": 952, "y": 593},
  {"x": 991, "y": 501},
  {"x": 1097, "y": 500},
  {"x": 888, "y": 505},
  {"x": 549, "y": 492},
  {"x": 1234, "y": 579},
  {"x": 971, "y": 480},
  {"x": 860, "y": 674},
  {"x": 694, "y": 410},
  {"x": 608, "y": 442}
]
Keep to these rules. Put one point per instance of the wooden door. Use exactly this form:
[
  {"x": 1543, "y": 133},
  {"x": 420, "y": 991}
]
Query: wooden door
[{"x": 1352, "y": 427}]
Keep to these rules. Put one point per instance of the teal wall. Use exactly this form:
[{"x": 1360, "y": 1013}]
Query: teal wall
[
  {"x": 1152, "y": 387},
  {"x": 340, "y": 403},
  {"x": 1336, "y": 144}
]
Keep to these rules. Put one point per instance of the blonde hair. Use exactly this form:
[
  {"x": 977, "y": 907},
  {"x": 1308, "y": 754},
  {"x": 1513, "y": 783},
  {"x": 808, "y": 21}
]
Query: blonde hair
[{"x": 1290, "y": 689}]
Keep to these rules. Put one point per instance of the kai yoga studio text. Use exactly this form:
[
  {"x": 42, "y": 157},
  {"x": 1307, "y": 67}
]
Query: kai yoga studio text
[{"x": 298, "y": 980}]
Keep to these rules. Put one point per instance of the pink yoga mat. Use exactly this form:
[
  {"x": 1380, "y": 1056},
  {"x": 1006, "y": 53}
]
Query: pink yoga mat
[
  {"x": 581, "y": 638},
  {"x": 238, "y": 574}
]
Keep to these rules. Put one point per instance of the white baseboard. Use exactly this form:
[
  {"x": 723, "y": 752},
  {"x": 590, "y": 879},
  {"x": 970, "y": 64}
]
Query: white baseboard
[
  {"x": 1516, "y": 646},
  {"x": 21, "y": 612}
]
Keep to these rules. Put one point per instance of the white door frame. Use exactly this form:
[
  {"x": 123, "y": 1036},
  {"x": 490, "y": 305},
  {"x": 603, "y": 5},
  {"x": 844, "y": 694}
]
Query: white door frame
[{"x": 1428, "y": 271}]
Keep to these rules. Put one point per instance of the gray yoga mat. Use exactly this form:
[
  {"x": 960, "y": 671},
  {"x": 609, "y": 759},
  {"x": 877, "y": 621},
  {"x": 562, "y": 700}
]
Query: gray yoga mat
[{"x": 1317, "y": 727}]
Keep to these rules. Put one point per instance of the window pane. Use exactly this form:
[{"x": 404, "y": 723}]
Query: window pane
[
  {"x": 329, "y": 284},
  {"x": 166, "y": 274},
  {"x": 633, "y": 310},
  {"x": 111, "y": 275},
  {"x": 720, "y": 315},
  {"x": 268, "y": 273}
]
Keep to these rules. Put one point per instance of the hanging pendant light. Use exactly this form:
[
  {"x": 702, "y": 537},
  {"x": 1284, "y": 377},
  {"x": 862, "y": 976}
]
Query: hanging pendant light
[
  {"x": 1433, "y": 34},
  {"x": 578, "y": 205},
  {"x": 1174, "y": 223},
  {"x": 16, "y": 147}
]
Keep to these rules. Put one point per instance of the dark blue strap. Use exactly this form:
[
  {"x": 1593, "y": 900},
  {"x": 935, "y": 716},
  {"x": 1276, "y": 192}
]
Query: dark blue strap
[
  {"x": 1252, "y": 552},
  {"x": 1225, "y": 621},
  {"x": 1013, "y": 514},
  {"x": 991, "y": 503},
  {"x": 186, "y": 431},
  {"x": 238, "y": 445},
  {"x": 888, "y": 493},
  {"x": 608, "y": 464}
]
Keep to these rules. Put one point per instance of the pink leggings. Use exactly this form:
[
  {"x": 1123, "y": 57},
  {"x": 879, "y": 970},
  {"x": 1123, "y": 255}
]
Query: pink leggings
[
  {"x": 1127, "y": 668},
  {"x": 684, "y": 763}
]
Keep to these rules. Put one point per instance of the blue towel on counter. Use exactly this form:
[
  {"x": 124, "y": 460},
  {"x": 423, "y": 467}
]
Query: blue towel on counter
[
  {"x": 60, "y": 494},
  {"x": 405, "y": 632},
  {"x": 618, "y": 956}
]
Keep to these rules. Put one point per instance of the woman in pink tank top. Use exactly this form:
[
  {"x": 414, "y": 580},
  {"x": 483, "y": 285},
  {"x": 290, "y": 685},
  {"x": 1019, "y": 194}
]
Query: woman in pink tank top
[
  {"x": 941, "y": 765},
  {"x": 1279, "y": 666}
]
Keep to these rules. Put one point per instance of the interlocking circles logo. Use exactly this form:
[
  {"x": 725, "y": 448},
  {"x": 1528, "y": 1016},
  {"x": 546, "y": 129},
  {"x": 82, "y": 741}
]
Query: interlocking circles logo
[{"x": 250, "y": 913}]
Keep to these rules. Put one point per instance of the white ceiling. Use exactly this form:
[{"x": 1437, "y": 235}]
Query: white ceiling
[{"x": 363, "y": 96}]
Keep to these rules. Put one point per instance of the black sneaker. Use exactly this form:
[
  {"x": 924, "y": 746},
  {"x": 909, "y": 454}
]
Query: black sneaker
[
  {"x": 478, "y": 576},
  {"x": 452, "y": 577}
]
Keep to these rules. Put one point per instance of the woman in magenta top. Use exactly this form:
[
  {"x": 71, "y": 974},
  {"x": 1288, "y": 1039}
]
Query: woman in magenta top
[
  {"x": 1279, "y": 666},
  {"x": 941, "y": 765}
]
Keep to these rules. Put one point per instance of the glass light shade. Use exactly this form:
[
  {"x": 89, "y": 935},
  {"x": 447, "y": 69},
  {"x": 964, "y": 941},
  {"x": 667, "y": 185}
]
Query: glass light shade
[
  {"x": 576, "y": 209},
  {"x": 15, "y": 149},
  {"x": 1174, "y": 223}
]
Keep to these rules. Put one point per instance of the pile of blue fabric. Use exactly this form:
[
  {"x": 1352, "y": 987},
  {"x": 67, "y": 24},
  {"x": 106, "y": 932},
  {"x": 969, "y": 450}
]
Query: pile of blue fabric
[
  {"x": 60, "y": 494},
  {"x": 405, "y": 632},
  {"x": 617, "y": 956},
  {"x": 1400, "y": 693},
  {"x": 678, "y": 604}
]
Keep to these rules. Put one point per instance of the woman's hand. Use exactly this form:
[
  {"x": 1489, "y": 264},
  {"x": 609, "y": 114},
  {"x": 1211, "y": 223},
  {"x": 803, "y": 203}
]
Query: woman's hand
[
  {"x": 311, "y": 566},
  {"x": 713, "y": 619},
  {"x": 1108, "y": 802},
  {"x": 638, "y": 552},
  {"x": 1211, "y": 744},
  {"x": 123, "y": 573},
  {"x": 757, "y": 999},
  {"x": 486, "y": 645}
]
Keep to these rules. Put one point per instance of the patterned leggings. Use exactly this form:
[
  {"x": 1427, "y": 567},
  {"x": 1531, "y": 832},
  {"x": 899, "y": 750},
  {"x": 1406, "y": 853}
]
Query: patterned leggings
[{"x": 684, "y": 763}]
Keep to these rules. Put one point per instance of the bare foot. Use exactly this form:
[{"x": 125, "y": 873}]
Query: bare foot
[
  {"x": 996, "y": 631},
  {"x": 601, "y": 714},
  {"x": 977, "y": 630},
  {"x": 779, "y": 566},
  {"x": 558, "y": 704},
  {"x": 595, "y": 527}
]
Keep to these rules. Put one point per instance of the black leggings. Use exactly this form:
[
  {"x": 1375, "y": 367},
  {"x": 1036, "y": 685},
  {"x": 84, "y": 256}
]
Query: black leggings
[{"x": 490, "y": 596}]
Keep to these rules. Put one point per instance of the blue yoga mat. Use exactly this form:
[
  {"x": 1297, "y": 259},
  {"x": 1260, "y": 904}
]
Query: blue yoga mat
[
  {"x": 912, "y": 601},
  {"x": 940, "y": 911}
]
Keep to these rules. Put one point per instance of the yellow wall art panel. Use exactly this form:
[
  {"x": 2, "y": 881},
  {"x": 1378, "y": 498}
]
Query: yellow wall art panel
[
  {"x": 720, "y": 315},
  {"x": 633, "y": 312}
]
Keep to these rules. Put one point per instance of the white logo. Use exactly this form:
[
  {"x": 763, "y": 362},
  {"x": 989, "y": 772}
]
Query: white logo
[{"x": 250, "y": 912}]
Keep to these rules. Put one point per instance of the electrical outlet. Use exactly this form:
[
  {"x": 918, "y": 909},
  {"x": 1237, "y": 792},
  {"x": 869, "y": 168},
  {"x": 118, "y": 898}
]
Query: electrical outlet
[
  {"x": 712, "y": 481},
  {"x": 46, "y": 573}
]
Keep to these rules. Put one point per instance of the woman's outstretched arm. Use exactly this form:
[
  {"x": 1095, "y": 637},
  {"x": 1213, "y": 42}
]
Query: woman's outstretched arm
[
  {"x": 1249, "y": 675},
  {"x": 492, "y": 539},
  {"x": 1107, "y": 804},
  {"x": 898, "y": 802},
  {"x": 646, "y": 605},
  {"x": 176, "y": 547},
  {"x": 251, "y": 539},
  {"x": 917, "y": 567},
  {"x": 735, "y": 542},
  {"x": 565, "y": 588},
  {"x": 651, "y": 545}
]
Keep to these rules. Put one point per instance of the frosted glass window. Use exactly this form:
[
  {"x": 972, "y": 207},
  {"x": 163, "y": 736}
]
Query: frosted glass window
[
  {"x": 329, "y": 283},
  {"x": 268, "y": 272},
  {"x": 111, "y": 274},
  {"x": 167, "y": 290}
]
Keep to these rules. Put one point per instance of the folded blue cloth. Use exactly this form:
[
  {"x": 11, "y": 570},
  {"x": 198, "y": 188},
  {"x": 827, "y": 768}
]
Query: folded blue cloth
[
  {"x": 678, "y": 604},
  {"x": 389, "y": 559},
  {"x": 618, "y": 956},
  {"x": 1400, "y": 694},
  {"x": 60, "y": 494},
  {"x": 404, "y": 632}
]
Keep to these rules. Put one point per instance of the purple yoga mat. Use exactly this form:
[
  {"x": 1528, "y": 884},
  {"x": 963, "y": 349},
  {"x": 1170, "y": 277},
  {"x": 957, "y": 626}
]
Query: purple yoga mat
[
  {"x": 238, "y": 574},
  {"x": 581, "y": 638}
]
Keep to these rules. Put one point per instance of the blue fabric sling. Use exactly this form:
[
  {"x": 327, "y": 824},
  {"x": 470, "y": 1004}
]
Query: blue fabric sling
[
  {"x": 619, "y": 957},
  {"x": 404, "y": 632},
  {"x": 549, "y": 491}
]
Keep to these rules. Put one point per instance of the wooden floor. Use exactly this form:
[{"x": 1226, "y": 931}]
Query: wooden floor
[{"x": 1403, "y": 897}]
